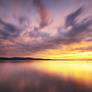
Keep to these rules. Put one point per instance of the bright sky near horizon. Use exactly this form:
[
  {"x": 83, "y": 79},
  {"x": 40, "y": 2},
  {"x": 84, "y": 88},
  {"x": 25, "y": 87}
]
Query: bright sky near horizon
[{"x": 46, "y": 28}]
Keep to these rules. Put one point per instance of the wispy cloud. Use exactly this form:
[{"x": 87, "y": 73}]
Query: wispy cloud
[
  {"x": 9, "y": 31},
  {"x": 44, "y": 14}
]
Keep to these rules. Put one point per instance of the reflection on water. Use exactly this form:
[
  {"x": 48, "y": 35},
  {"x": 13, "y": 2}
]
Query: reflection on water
[{"x": 46, "y": 76}]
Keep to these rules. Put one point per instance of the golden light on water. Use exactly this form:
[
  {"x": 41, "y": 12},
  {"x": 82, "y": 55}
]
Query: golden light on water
[
  {"x": 45, "y": 75},
  {"x": 79, "y": 71}
]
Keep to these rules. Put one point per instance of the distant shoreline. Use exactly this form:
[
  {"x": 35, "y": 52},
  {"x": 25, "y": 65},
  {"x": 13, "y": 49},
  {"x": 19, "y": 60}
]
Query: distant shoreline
[
  {"x": 33, "y": 59},
  {"x": 20, "y": 58}
]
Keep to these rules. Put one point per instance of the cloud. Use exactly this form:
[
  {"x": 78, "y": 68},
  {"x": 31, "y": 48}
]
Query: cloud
[
  {"x": 71, "y": 19},
  {"x": 44, "y": 15},
  {"x": 8, "y": 31},
  {"x": 79, "y": 31},
  {"x": 89, "y": 48}
]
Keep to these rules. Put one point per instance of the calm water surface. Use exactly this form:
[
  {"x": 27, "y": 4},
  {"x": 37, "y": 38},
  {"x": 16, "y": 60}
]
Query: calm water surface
[{"x": 46, "y": 76}]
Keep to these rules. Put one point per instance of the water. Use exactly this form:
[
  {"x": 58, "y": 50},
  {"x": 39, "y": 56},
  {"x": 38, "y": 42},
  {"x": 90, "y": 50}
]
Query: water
[{"x": 46, "y": 76}]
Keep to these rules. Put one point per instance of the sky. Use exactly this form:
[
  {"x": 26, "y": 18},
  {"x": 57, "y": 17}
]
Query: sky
[{"x": 58, "y": 29}]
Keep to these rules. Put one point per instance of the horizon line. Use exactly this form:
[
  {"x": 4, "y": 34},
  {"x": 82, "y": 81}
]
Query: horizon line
[{"x": 43, "y": 58}]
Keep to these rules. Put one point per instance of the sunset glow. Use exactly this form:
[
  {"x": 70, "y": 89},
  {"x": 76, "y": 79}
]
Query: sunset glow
[
  {"x": 45, "y": 45},
  {"x": 46, "y": 29}
]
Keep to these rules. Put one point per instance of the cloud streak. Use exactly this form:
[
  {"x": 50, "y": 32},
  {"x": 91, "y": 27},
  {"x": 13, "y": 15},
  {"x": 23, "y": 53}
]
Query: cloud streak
[
  {"x": 9, "y": 31},
  {"x": 44, "y": 15}
]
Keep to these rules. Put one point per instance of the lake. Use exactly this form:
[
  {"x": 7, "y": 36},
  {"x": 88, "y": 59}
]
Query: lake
[{"x": 46, "y": 76}]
